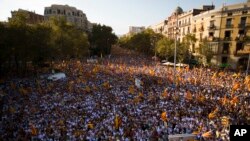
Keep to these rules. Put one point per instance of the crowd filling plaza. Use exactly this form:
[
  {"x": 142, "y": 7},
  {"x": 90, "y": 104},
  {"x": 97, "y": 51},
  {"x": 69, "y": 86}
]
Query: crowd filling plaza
[{"x": 124, "y": 98}]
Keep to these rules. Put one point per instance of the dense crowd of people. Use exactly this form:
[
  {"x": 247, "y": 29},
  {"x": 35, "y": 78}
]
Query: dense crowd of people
[{"x": 101, "y": 102}]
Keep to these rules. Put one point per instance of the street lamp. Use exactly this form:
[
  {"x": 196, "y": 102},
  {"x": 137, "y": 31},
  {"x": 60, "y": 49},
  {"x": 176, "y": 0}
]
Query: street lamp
[
  {"x": 176, "y": 30},
  {"x": 248, "y": 64}
]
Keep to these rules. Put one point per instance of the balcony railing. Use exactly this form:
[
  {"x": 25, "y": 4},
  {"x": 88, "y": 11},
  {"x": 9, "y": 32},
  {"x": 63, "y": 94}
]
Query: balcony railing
[
  {"x": 213, "y": 39},
  {"x": 201, "y": 29},
  {"x": 211, "y": 27},
  {"x": 229, "y": 26},
  {"x": 240, "y": 53},
  {"x": 243, "y": 38},
  {"x": 225, "y": 52},
  {"x": 227, "y": 39}
]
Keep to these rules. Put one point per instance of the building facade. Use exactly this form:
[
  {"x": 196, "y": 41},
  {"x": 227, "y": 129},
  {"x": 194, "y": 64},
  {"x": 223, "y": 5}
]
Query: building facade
[
  {"x": 32, "y": 17},
  {"x": 225, "y": 30},
  {"x": 71, "y": 14},
  {"x": 136, "y": 29},
  {"x": 161, "y": 28}
]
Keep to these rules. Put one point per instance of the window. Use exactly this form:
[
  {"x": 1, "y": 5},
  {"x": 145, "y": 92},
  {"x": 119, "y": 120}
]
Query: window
[
  {"x": 211, "y": 34},
  {"x": 239, "y": 46},
  {"x": 224, "y": 60},
  {"x": 229, "y": 14},
  {"x": 58, "y": 11},
  {"x": 225, "y": 49},
  {"x": 229, "y": 22},
  {"x": 200, "y": 36},
  {"x": 212, "y": 16},
  {"x": 227, "y": 34},
  {"x": 188, "y": 30},
  {"x": 243, "y": 20},
  {"x": 241, "y": 32},
  {"x": 244, "y": 12}
]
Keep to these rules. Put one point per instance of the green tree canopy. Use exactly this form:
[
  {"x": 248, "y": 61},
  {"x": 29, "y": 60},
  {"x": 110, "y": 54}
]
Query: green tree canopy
[{"x": 101, "y": 39}]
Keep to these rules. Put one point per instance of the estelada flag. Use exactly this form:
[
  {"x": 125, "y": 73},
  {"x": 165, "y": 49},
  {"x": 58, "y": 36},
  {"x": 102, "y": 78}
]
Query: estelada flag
[
  {"x": 131, "y": 89},
  {"x": 164, "y": 94},
  {"x": 234, "y": 100},
  {"x": 188, "y": 95},
  {"x": 140, "y": 94},
  {"x": 118, "y": 122},
  {"x": 225, "y": 120},
  {"x": 236, "y": 86},
  {"x": 207, "y": 134},
  {"x": 164, "y": 116},
  {"x": 34, "y": 131}
]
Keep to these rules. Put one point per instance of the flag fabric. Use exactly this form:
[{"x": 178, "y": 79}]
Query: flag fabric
[
  {"x": 201, "y": 98},
  {"x": 207, "y": 134},
  {"x": 140, "y": 94},
  {"x": 118, "y": 122},
  {"x": 106, "y": 85},
  {"x": 224, "y": 100},
  {"x": 151, "y": 72},
  {"x": 164, "y": 116},
  {"x": 236, "y": 86},
  {"x": 221, "y": 74},
  {"x": 195, "y": 132},
  {"x": 164, "y": 94},
  {"x": 90, "y": 125},
  {"x": 215, "y": 75},
  {"x": 34, "y": 131},
  {"x": 213, "y": 114},
  {"x": 225, "y": 121},
  {"x": 87, "y": 89},
  {"x": 131, "y": 89},
  {"x": 188, "y": 95},
  {"x": 234, "y": 100}
]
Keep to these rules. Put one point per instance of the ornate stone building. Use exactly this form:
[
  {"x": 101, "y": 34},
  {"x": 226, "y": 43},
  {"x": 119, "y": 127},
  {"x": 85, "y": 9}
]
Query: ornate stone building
[{"x": 71, "y": 14}]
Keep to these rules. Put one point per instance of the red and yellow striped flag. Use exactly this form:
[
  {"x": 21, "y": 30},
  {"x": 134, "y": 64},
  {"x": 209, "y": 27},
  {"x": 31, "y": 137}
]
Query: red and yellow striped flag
[
  {"x": 118, "y": 122},
  {"x": 164, "y": 116}
]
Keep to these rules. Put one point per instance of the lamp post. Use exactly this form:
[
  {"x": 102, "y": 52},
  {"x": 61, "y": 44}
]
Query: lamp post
[
  {"x": 248, "y": 64},
  {"x": 175, "y": 46}
]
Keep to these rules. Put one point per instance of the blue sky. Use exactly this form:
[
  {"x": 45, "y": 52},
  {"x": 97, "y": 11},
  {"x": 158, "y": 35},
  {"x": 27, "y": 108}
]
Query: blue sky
[{"x": 119, "y": 14}]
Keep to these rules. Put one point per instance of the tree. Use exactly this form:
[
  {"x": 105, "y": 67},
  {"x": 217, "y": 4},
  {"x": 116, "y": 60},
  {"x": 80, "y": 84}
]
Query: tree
[
  {"x": 67, "y": 40},
  {"x": 101, "y": 39},
  {"x": 206, "y": 51},
  {"x": 144, "y": 42},
  {"x": 165, "y": 48}
]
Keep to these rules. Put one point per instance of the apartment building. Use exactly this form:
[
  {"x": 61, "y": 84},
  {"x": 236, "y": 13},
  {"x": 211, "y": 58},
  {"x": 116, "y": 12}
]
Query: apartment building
[
  {"x": 71, "y": 14},
  {"x": 136, "y": 29},
  {"x": 227, "y": 32},
  {"x": 161, "y": 27},
  {"x": 234, "y": 34},
  {"x": 32, "y": 17}
]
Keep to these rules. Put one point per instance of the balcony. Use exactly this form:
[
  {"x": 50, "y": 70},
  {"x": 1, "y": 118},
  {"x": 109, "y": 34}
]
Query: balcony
[
  {"x": 194, "y": 30},
  {"x": 238, "y": 53},
  {"x": 213, "y": 39},
  {"x": 242, "y": 38},
  {"x": 225, "y": 52},
  {"x": 243, "y": 25},
  {"x": 229, "y": 26},
  {"x": 227, "y": 39},
  {"x": 211, "y": 27},
  {"x": 201, "y": 29}
]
